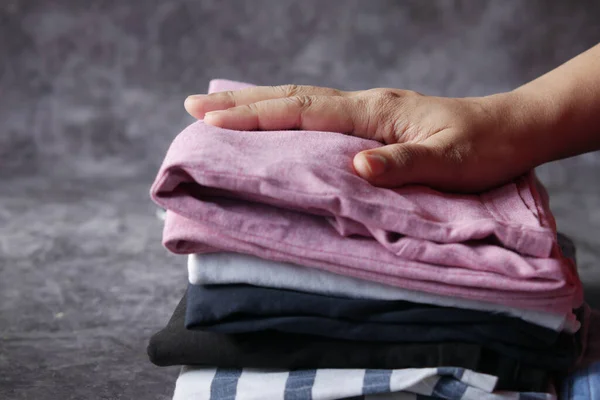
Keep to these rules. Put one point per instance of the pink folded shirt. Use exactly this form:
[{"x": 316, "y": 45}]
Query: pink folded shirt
[{"x": 293, "y": 196}]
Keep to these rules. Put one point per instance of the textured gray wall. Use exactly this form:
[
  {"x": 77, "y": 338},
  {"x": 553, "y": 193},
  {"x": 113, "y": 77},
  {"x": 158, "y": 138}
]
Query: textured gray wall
[
  {"x": 103, "y": 81},
  {"x": 91, "y": 95}
]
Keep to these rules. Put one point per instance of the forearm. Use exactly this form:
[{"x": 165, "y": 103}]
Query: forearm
[{"x": 558, "y": 114}]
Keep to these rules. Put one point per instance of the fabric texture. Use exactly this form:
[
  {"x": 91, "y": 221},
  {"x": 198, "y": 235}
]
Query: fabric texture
[
  {"x": 236, "y": 268},
  {"x": 592, "y": 348},
  {"x": 293, "y": 196},
  {"x": 243, "y": 308},
  {"x": 175, "y": 345},
  {"x": 327, "y": 384},
  {"x": 584, "y": 384}
]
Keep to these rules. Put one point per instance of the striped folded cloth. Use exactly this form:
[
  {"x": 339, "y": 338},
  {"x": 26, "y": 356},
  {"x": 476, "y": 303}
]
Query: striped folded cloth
[
  {"x": 328, "y": 384},
  {"x": 583, "y": 384}
]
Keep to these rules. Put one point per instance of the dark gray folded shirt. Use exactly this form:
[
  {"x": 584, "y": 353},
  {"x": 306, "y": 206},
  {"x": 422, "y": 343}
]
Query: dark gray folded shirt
[{"x": 174, "y": 345}]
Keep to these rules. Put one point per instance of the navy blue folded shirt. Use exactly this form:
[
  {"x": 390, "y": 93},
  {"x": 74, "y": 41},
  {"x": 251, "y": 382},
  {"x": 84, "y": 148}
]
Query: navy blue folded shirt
[{"x": 245, "y": 308}]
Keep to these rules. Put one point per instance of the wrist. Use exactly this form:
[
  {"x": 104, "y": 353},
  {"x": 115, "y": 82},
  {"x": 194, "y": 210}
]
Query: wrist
[{"x": 526, "y": 124}]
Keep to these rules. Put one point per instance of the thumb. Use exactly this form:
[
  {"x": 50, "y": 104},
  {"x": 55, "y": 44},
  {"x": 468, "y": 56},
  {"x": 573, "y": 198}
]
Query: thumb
[{"x": 399, "y": 164}]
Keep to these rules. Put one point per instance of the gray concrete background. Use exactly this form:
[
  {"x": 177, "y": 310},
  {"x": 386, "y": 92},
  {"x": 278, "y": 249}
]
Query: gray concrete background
[{"x": 91, "y": 95}]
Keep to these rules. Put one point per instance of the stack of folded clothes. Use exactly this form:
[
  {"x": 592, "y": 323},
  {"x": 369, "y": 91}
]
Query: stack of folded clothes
[{"x": 306, "y": 282}]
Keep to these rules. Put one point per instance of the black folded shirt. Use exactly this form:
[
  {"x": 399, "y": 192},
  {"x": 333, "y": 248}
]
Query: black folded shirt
[
  {"x": 174, "y": 345},
  {"x": 245, "y": 309}
]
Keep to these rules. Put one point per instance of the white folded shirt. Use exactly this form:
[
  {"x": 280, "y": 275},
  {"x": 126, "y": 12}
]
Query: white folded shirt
[{"x": 235, "y": 268}]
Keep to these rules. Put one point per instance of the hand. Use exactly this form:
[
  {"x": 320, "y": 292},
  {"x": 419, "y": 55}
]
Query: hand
[{"x": 453, "y": 144}]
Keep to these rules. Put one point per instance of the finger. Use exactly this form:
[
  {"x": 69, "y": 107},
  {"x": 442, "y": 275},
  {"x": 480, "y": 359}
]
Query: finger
[
  {"x": 404, "y": 163},
  {"x": 199, "y": 105},
  {"x": 316, "y": 113}
]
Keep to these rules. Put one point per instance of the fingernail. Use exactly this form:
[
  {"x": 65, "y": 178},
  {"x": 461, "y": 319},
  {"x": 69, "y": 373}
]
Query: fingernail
[
  {"x": 214, "y": 113},
  {"x": 196, "y": 97},
  {"x": 370, "y": 165},
  {"x": 209, "y": 117},
  {"x": 190, "y": 100}
]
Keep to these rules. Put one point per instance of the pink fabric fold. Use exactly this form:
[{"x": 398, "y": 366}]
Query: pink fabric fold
[{"x": 293, "y": 196}]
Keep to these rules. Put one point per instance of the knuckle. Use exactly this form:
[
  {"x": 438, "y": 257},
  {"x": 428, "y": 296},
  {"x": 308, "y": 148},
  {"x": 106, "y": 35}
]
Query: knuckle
[
  {"x": 385, "y": 108},
  {"x": 230, "y": 95},
  {"x": 334, "y": 92},
  {"x": 302, "y": 102},
  {"x": 290, "y": 90},
  {"x": 383, "y": 97},
  {"x": 385, "y": 101},
  {"x": 252, "y": 107},
  {"x": 388, "y": 94},
  {"x": 411, "y": 93}
]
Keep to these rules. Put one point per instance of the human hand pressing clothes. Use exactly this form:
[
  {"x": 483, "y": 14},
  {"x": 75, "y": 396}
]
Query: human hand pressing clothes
[{"x": 453, "y": 144}]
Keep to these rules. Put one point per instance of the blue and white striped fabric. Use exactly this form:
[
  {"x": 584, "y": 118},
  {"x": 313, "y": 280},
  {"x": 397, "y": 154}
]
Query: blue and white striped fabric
[
  {"x": 329, "y": 384},
  {"x": 584, "y": 384}
]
